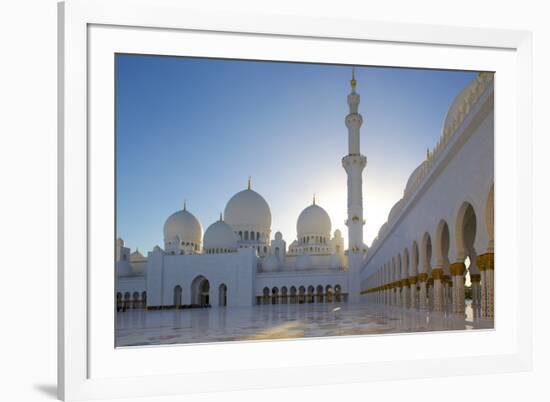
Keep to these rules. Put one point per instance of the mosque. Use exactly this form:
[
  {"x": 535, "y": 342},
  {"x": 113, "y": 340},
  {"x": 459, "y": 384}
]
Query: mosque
[{"x": 237, "y": 262}]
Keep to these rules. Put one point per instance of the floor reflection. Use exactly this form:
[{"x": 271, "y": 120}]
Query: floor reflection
[{"x": 140, "y": 327}]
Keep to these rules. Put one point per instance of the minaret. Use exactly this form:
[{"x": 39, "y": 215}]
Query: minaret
[{"x": 354, "y": 163}]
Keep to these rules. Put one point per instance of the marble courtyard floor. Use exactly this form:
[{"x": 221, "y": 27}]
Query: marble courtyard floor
[{"x": 282, "y": 321}]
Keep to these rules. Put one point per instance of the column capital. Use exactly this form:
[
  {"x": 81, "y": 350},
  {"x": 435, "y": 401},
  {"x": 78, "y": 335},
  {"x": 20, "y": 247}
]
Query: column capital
[
  {"x": 457, "y": 268},
  {"x": 437, "y": 273},
  {"x": 486, "y": 261},
  {"x": 423, "y": 277}
]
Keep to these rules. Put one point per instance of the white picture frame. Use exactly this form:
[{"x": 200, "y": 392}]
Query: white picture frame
[{"x": 89, "y": 367}]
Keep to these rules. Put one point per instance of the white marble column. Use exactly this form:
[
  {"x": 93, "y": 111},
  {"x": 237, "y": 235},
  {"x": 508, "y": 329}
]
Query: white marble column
[
  {"x": 422, "y": 278},
  {"x": 405, "y": 298},
  {"x": 412, "y": 281},
  {"x": 486, "y": 266},
  {"x": 437, "y": 274},
  {"x": 457, "y": 271},
  {"x": 476, "y": 289}
]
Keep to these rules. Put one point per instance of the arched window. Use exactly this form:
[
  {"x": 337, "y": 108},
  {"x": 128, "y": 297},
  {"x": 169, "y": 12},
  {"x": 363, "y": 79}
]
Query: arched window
[
  {"x": 177, "y": 296},
  {"x": 251, "y": 235},
  {"x": 257, "y": 235},
  {"x": 241, "y": 234},
  {"x": 246, "y": 235},
  {"x": 265, "y": 249},
  {"x": 222, "y": 299}
]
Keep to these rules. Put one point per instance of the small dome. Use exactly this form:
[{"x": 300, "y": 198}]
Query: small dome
[
  {"x": 120, "y": 242},
  {"x": 337, "y": 261},
  {"x": 413, "y": 177},
  {"x": 157, "y": 248},
  {"x": 278, "y": 236},
  {"x": 395, "y": 210},
  {"x": 270, "y": 264},
  {"x": 184, "y": 226},
  {"x": 136, "y": 256},
  {"x": 383, "y": 229},
  {"x": 247, "y": 208},
  {"x": 337, "y": 234},
  {"x": 458, "y": 101},
  {"x": 303, "y": 262},
  {"x": 219, "y": 237},
  {"x": 313, "y": 220}
]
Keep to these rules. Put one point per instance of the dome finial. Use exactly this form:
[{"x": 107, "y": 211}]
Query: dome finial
[
  {"x": 221, "y": 219},
  {"x": 249, "y": 182},
  {"x": 353, "y": 82},
  {"x": 427, "y": 153},
  {"x": 185, "y": 204},
  {"x": 313, "y": 199}
]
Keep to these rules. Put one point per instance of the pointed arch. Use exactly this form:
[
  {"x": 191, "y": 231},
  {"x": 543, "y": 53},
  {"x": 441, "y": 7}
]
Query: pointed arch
[{"x": 465, "y": 230}]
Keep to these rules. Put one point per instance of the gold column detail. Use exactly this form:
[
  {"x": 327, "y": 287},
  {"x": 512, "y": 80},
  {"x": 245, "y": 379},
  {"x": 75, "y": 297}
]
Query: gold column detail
[
  {"x": 486, "y": 261},
  {"x": 423, "y": 277},
  {"x": 457, "y": 268},
  {"x": 490, "y": 261},
  {"x": 475, "y": 278},
  {"x": 412, "y": 280},
  {"x": 437, "y": 273}
]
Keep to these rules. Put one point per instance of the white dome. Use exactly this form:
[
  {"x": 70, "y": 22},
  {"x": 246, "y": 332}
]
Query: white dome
[
  {"x": 414, "y": 175},
  {"x": 336, "y": 261},
  {"x": 313, "y": 220},
  {"x": 136, "y": 256},
  {"x": 458, "y": 101},
  {"x": 184, "y": 226},
  {"x": 247, "y": 208},
  {"x": 395, "y": 210},
  {"x": 303, "y": 262},
  {"x": 219, "y": 236},
  {"x": 270, "y": 263}
]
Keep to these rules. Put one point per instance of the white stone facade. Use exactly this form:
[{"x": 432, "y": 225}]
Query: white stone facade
[{"x": 442, "y": 229}]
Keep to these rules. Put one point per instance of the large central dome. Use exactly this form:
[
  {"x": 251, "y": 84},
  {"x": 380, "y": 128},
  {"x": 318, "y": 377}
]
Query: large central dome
[
  {"x": 248, "y": 209},
  {"x": 313, "y": 220}
]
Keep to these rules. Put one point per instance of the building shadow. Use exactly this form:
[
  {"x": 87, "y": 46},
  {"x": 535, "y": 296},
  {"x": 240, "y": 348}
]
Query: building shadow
[{"x": 47, "y": 389}]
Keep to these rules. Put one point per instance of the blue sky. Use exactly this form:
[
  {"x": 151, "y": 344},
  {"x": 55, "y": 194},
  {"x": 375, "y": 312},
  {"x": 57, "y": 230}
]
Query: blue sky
[{"x": 195, "y": 129}]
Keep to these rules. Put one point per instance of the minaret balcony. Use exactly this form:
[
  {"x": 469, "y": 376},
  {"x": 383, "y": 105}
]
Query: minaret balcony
[
  {"x": 354, "y": 220},
  {"x": 354, "y": 159},
  {"x": 354, "y": 120}
]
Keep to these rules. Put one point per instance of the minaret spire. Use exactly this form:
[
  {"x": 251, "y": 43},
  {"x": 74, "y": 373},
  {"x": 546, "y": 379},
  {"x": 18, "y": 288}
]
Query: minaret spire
[{"x": 354, "y": 163}]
